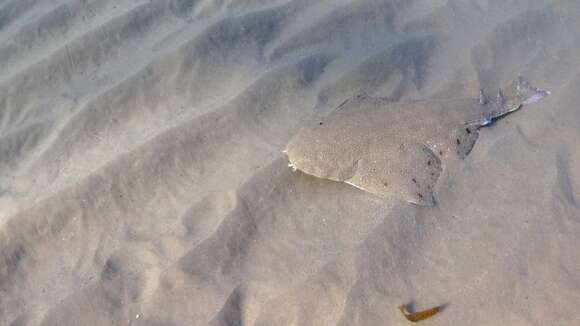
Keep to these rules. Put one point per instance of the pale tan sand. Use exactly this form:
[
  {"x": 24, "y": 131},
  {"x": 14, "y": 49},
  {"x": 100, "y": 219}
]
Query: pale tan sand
[{"x": 142, "y": 180}]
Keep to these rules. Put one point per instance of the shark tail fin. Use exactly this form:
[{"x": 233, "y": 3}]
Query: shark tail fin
[{"x": 527, "y": 93}]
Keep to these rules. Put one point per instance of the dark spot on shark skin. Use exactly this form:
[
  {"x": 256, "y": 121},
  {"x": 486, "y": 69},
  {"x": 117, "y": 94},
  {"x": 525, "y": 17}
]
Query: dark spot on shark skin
[
  {"x": 320, "y": 123},
  {"x": 420, "y": 196},
  {"x": 414, "y": 180},
  {"x": 428, "y": 162},
  {"x": 467, "y": 130},
  {"x": 441, "y": 153},
  {"x": 386, "y": 184},
  {"x": 458, "y": 142}
]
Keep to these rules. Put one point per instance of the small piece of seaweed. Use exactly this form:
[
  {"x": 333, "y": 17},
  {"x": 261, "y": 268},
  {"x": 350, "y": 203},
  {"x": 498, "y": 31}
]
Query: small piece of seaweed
[{"x": 420, "y": 315}]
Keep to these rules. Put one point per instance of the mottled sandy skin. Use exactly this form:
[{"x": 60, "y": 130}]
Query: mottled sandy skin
[{"x": 398, "y": 149}]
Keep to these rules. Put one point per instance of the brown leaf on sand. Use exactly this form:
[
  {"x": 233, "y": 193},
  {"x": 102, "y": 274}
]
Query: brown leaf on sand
[{"x": 420, "y": 315}]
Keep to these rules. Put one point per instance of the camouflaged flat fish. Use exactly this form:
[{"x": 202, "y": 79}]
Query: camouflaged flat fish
[{"x": 398, "y": 149}]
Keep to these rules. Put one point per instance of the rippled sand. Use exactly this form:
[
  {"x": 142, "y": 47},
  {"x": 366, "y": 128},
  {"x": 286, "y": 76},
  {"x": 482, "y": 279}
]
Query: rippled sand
[{"x": 142, "y": 180}]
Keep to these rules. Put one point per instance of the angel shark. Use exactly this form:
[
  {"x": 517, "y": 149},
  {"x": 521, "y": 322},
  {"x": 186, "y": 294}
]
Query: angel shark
[{"x": 398, "y": 149}]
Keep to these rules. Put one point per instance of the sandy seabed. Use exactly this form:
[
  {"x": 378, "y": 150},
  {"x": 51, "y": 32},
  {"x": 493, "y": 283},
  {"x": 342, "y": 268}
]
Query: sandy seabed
[{"x": 142, "y": 180}]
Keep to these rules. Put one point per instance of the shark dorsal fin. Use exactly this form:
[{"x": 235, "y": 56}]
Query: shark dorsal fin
[
  {"x": 482, "y": 97},
  {"x": 500, "y": 99}
]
